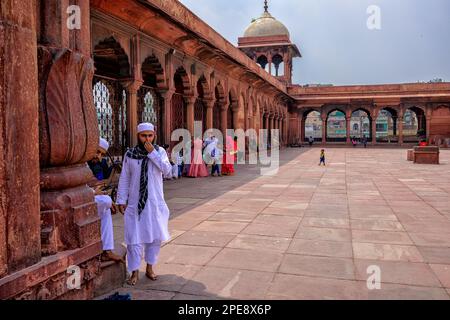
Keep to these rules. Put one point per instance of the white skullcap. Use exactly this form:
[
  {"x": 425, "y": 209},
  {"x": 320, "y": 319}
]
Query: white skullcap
[
  {"x": 145, "y": 127},
  {"x": 103, "y": 144}
]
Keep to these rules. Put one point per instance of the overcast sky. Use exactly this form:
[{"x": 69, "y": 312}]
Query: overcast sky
[{"x": 337, "y": 46}]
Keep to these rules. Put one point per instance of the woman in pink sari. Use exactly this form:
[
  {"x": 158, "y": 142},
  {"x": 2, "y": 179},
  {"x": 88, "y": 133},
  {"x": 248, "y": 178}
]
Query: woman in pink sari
[
  {"x": 198, "y": 167},
  {"x": 229, "y": 157}
]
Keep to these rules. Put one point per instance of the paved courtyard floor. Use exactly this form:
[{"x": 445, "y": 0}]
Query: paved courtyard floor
[{"x": 308, "y": 232}]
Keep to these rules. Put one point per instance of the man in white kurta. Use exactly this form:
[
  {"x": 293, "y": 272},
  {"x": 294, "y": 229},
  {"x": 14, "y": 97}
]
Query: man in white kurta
[
  {"x": 141, "y": 199},
  {"x": 104, "y": 205}
]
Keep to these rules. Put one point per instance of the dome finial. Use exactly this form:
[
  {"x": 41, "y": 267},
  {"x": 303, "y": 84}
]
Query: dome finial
[{"x": 266, "y": 6}]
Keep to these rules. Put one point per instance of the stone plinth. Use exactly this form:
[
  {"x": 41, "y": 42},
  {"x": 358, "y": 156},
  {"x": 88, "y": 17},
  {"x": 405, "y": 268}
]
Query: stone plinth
[
  {"x": 426, "y": 155},
  {"x": 410, "y": 155}
]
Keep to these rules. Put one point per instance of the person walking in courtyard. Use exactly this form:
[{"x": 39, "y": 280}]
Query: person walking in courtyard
[
  {"x": 216, "y": 156},
  {"x": 229, "y": 157},
  {"x": 310, "y": 141},
  {"x": 198, "y": 166},
  {"x": 141, "y": 201},
  {"x": 364, "y": 141},
  {"x": 322, "y": 157}
]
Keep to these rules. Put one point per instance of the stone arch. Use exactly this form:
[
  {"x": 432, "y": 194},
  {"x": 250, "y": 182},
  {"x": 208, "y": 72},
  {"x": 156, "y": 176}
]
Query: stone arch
[
  {"x": 181, "y": 81},
  {"x": 110, "y": 97},
  {"x": 387, "y": 124},
  {"x": 152, "y": 72},
  {"x": 311, "y": 124},
  {"x": 336, "y": 125},
  {"x": 111, "y": 60},
  {"x": 361, "y": 123},
  {"x": 203, "y": 87},
  {"x": 182, "y": 88},
  {"x": 414, "y": 123},
  {"x": 262, "y": 61},
  {"x": 439, "y": 129},
  {"x": 278, "y": 64}
]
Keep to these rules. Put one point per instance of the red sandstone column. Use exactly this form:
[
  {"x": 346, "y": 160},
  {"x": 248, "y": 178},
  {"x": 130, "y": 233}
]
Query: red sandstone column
[
  {"x": 20, "y": 238},
  {"x": 68, "y": 132},
  {"x": 190, "y": 118},
  {"x": 324, "y": 130},
  {"x": 400, "y": 127},
  {"x": 251, "y": 122},
  {"x": 301, "y": 127},
  {"x": 167, "y": 96},
  {"x": 429, "y": 113},
  {"x": 348, "y": 119},
  {"x": 271, "y": 124},
  {"x": 133, "y": 118},
  {"x": 236, "y": 123},
  {"x": 224, "y": 119},
  {"x": 209, "y": 113},
  {"x": 374, "y": 132}
]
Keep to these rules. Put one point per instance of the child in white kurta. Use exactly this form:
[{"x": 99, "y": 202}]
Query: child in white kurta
[{"x": 146, "y": 231}]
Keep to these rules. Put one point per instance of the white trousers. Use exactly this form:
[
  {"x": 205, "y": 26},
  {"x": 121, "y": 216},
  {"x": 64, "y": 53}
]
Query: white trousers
[
  {"x": 135, "y": 251},
  {"x": 104, "y": 204}
]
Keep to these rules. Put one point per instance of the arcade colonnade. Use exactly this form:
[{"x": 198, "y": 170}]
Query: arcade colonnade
[
  {"x": 140, "y": 78},
  {"x": 426, "y": 121}
]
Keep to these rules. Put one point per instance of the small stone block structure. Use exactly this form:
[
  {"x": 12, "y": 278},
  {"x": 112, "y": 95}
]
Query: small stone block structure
[
  {"x": 426, "y": 155},
  {"x": 410, "y": 155}
]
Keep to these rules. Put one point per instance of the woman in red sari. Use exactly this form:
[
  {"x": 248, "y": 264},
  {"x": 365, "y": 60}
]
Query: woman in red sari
[{"x": 229, "y": 157}]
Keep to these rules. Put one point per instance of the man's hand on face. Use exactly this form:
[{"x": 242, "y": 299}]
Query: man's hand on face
[{"x": 149, "y": 147}]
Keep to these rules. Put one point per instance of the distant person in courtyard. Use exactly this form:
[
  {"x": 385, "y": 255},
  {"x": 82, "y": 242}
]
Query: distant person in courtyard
[
  {"x": 141, "y": 201},
  {"x": 229, "y": 157},
  {"x": 310, "y": 141},
  {"x": 216, "y": 156},
  {"x": 354, "y": 142},
  {"x": 197, "y": 168},
  {"x": 240, "y": 154},
  {"x": 101, "y": 171},
  {"x": 364, "y": 141},
  {"x": 322, "y": 157},
  {"x": 179, "y": 163}
]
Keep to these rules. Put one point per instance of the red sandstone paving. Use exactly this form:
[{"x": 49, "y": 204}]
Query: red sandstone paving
[{"x": 308, "y": 232}]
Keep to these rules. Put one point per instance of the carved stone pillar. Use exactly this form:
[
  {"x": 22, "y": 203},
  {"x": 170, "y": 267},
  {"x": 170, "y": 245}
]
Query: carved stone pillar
[
  {"x": 209, "y": 113},
  {"x": 223, "y": 118},
  {"x": 167, "y": 96},
  {"x": 394, "y": 125},
  {"x": 236, "y": 123},
  {"x": 348, "y": 127},
  {"x": 133, "y": 118},
  {"x": 301, "y": 130},
  {"x": 374, "y": 131},
  {"x": 68, "y": 131},
  {"x": 428, "y": 116},
  {"x": 324, "y": 130},
  {"x": 400, "y": 127},
  {"x": 20, "y": 243},
  {"x": 190, "y": 117}
]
